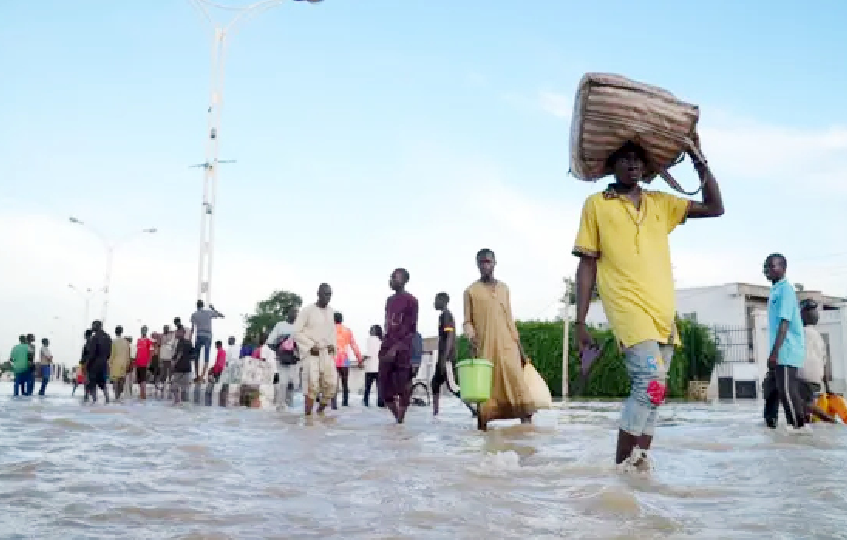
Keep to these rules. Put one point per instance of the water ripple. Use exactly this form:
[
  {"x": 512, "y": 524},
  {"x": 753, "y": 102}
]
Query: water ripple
[{"x": 150, "y": 470}]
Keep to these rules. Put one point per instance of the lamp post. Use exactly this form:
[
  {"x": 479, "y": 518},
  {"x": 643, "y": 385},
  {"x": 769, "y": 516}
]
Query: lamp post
[
  {"x": 566, "y": 322},
  {"x": 210, "y": 167},
  {"x": 110, "y": 255},
  {"x": 86, "y": 295}
]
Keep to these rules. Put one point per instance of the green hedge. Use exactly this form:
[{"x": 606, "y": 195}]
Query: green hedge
[{"x": 542, "y": 341}]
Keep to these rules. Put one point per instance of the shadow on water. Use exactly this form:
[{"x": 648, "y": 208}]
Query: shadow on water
[{"x": 154, "y": 471}]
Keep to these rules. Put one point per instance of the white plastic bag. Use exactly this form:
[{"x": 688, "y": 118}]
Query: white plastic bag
[{"x": 539, "y": 394}]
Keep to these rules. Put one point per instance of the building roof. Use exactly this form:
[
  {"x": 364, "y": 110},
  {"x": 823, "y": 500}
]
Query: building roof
[{"x": 762, "y": 291}]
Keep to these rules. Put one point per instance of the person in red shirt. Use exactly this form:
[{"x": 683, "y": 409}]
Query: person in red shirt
[
  {"x": 220, "y": 362},
  {"x": 143, "y": 355}
]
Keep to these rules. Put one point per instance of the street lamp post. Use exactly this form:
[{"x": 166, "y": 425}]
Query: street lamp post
[
  {"x": 210, "y": 167},
  {"x": 110, "y": 255},
  {"x": 86, "y": 295}
]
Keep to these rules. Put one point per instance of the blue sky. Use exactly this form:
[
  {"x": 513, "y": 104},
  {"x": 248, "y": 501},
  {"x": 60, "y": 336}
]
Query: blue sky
[{"x": 375, "y": 134}]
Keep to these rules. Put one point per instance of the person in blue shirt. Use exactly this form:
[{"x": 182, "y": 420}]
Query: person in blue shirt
[{"x": 788, "y": 348}]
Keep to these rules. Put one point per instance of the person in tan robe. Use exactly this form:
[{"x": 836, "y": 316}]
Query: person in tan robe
[
  {"x": 490, "y": 327},
  {"x": 119, "y": 362},
  {"x": 315, "y": 336}
]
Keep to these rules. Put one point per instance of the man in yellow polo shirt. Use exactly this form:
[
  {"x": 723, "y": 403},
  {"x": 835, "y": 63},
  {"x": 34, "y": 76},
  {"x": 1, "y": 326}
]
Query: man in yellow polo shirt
[{"x": 622, "y": 244}]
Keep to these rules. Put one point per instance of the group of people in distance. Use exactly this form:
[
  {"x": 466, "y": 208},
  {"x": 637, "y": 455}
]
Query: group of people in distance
[
  {"x": 162, "y": 358},
  {"x": 25, "y": 366}
]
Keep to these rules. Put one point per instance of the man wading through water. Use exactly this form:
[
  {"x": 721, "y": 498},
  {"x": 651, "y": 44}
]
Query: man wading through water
[
  {"x": 97, "y": 362},
  {"x": 788, "y": 343},
  {"x": 622, "y": 244},
  {"x": 395, "y": 354},
  {"x": 344, "y": 341},
  {"x": 446, "y": 347},
  {"x": 490, "y": 326},
  {"x": 314, "y": 333},
  {"x": 282, "y": 341}
]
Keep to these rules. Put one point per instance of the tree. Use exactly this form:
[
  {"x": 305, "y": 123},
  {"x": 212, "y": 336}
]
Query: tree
[
  {"x": 570, "y": 292},
  {"x": 269, "y": 312}
]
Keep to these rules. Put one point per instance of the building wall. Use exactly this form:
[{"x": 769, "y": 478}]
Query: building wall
[
  {"x": 719, "y": 305},
  {"x": 833, "y": 328}
]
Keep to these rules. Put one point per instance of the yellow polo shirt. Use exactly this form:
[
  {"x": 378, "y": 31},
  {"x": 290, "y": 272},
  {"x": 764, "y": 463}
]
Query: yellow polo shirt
[{"x": 634, "y": 276}]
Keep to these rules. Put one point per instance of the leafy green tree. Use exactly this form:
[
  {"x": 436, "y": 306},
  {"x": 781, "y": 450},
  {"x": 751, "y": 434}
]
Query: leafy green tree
[
  {"x": 570, "y": 292},
  {"x": 269, "y": 312}
]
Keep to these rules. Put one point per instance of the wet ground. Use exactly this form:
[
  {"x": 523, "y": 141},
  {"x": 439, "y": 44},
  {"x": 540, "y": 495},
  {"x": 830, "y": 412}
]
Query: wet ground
[{"x": 154, "y": 471}]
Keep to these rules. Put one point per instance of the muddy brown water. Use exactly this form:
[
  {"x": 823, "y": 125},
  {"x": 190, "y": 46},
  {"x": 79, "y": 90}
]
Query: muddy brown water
[{"x": 154, "y": 471}]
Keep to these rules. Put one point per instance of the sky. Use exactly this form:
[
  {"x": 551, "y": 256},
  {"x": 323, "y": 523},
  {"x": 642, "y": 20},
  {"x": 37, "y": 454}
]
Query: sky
[{"x": 377, "y": 134}]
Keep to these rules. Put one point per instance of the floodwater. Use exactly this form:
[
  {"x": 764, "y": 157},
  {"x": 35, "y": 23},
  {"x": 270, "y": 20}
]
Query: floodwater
[{"x": 154, "y": 471}]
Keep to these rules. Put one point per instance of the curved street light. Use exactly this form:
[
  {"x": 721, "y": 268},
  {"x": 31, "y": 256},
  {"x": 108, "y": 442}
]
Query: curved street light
[{"x": 110, "y": 246}]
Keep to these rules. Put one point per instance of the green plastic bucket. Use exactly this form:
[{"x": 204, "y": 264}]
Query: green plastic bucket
[{"x": 475, "y": 380}]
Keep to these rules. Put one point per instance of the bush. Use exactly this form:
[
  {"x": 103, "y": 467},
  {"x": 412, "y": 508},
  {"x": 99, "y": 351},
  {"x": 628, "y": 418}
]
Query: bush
[{"x": 542, "y": 341}]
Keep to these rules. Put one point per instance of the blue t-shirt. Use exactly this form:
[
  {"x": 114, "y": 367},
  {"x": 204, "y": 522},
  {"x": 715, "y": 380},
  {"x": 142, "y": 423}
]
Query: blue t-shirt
[{"x": 782, "y": 305}]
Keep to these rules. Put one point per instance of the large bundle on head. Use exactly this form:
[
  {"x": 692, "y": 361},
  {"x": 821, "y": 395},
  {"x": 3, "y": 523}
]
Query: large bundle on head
[{"x": 611, "y": 110}]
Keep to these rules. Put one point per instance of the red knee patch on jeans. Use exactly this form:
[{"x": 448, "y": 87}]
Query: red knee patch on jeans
[{"x": 656, "y": 391}]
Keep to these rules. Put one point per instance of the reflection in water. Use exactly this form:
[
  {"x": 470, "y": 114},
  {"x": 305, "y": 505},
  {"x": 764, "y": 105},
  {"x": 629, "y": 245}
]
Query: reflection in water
[{"x": 154, "y": 471}]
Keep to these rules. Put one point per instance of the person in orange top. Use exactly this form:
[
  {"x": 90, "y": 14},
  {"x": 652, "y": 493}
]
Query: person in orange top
[{"x": 342, "y": 359}]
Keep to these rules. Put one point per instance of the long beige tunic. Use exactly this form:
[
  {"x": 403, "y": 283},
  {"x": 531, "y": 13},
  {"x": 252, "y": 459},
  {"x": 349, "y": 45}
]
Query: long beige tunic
[
  {"x": 119, "y": 359},
  {"x": 488, "y": 318},
  {"x": 315, "y": 327}
]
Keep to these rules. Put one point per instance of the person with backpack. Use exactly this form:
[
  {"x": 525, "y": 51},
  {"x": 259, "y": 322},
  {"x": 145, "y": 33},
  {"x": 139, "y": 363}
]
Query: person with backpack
[{"x": 282, "y": 341}]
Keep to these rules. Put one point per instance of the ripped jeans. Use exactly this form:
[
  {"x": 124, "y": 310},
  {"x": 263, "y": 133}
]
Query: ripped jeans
[{"x": 647, "y": 378}]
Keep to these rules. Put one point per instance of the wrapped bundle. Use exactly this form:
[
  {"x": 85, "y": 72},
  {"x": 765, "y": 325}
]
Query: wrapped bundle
[{"x": 610, "y": 110}]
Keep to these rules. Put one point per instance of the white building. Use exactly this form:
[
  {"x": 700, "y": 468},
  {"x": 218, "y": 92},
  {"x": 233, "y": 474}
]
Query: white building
[{"x": 736, "y": 312}]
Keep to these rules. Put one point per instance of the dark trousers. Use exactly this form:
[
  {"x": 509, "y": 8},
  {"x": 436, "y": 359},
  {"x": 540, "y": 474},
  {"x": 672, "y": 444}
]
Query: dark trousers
[
  {"x": 20, "y": 383},
  {"x": 206, "y": 343},
  {"x": 771, "y": 394},
  {"x": 781, "y": 386},
  {"x": 29, "y": 383},
  {"x": 343, "y": 377},
  {"x": 97, "y": 377},
  {"x": 45, "y": 378},
  {"x": 370, "y": 380},
  {"x": 790, "y": 396}
]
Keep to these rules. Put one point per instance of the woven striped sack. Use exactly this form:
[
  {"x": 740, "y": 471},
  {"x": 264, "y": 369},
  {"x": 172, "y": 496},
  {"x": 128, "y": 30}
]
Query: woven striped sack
[{"x": 610, "y": 110}]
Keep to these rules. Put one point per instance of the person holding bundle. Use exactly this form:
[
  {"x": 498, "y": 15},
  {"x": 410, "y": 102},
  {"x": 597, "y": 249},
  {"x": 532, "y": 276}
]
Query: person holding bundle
[{"x": 622, "y": 245}]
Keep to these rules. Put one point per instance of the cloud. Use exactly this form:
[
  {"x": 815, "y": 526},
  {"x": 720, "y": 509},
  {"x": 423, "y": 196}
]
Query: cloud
[{"x": 558, "y": 105}]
